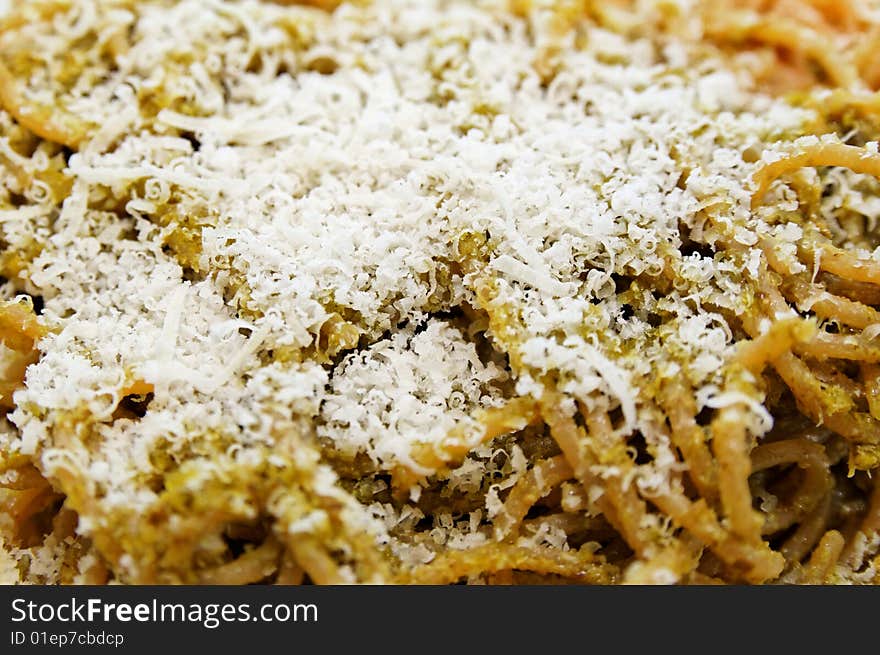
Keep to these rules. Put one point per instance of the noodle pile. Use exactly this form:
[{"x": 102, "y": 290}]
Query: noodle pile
[{"x": 424, "y": 292}]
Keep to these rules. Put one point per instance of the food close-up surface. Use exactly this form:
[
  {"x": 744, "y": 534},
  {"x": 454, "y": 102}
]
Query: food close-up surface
[{"x": 440, "y": 291}]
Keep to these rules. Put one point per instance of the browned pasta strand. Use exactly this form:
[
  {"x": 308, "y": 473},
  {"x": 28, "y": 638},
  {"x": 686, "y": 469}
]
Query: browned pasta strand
[
  {"x": 780, "y": 338},
  {"x": 730, "y": 443},
  {"x": 863, "y": 103},
  {"x": 327, "y": 5},
  {"x": 609, "y": 449},
  {"x": 452, "y": 566},
  {"x": 776, "y": 31},
  {"x": 289, "y": 571},
  {"x": 50, "y": 123},
  {"x": 25, "y": 495},
  {"x": 868, "y": 529},
  {"x": 840, "y": 346},
  {"x": 19, "y": 332},
  {"x": 871, "y": 523},
  {"x": 827, "y": 306},
  {"x": 681, "y": 410},
  {"x": 808, "y": 532},
  {"x": 862, "y": 292},
  {"x": 571, "y": 524},
  {"x": 824, "y": 404},
  {"x": 47, "y": 121},
  {"x": 870, "y": 376},
  {"x": 755, "y": 563},
  {"x": 845, "y": 264},
  {"x": 829, "y": 373},
  {"x": 315, "y": 560},
  {"x": 811, "y": 459},
  {"x": 538, "y": 482},
  {"x": 249, "y": 567},
  {"x": 856, "y": 159},
  {"x": 823, "y": 560},
  {"x": 680, "y": 558},
  {"x": 626, "y": 517},
  {"x": 515, "y": 415}
]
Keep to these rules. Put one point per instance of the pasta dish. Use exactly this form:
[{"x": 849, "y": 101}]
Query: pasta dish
[{"x": 440, "y": 291}]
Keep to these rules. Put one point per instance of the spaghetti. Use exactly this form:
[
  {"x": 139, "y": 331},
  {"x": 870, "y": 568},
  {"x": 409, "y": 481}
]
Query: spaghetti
[{"x": 427, "y": 292}]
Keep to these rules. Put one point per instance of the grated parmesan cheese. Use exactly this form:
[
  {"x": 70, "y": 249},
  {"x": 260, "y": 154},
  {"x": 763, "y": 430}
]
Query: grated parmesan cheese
[{"x": 274, "y": 216}]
